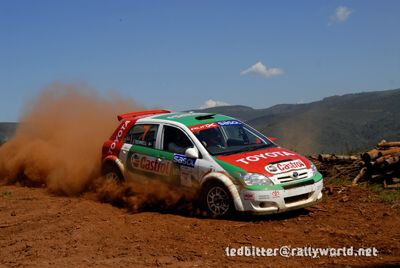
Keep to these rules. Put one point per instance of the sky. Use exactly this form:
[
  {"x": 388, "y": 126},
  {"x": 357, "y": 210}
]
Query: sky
[{"x": 182, "y": 55}]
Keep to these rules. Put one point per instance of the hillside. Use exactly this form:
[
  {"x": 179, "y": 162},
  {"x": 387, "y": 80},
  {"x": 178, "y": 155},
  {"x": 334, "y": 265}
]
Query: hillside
[{"x": 335, "y": 124}]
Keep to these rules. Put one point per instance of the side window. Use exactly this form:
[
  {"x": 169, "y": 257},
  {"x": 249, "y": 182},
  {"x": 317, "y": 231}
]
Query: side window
[
  {"x": 175, "y": 141},
  {"x": 143, "y": 135}
]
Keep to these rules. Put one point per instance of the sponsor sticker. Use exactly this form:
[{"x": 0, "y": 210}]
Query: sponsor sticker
[
  {"x": 257, "y": 157},
  {"x": 248, "y": 196},
  {"x": 263, "y": 197},
  {"x": 229, "y": 123},
  {"x": 200, "y": 127},
  {"x": 184, "y": 160},
  {"x": 286, "y": 166},
  {"x": 276, "y": 194},
  {"x": 147, "y": 163},
  {"x": 271, "y": 168}
]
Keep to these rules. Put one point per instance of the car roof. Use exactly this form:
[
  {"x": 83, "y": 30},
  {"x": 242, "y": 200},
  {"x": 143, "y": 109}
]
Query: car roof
[{"x": 192, "y": 118}]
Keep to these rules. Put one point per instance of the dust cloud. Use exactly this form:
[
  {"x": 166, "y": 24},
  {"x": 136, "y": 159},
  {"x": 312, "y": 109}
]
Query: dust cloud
[
  {"x": 58, "y": 143},
  {"x": 58, "y": 146}
]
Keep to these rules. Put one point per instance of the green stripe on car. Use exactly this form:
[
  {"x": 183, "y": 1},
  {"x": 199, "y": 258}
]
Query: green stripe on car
[{"x": 189, "y": 119}]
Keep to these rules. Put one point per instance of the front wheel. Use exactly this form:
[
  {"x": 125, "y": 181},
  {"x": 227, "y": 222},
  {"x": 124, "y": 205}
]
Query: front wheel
[{"x": 217, "y": 199}]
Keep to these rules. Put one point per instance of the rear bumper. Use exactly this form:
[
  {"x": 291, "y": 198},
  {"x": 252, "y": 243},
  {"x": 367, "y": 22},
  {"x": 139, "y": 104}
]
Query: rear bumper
[{"x": 276, "y": 201}]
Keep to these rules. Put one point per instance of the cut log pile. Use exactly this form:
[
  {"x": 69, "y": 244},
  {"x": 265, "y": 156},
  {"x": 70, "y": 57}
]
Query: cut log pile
[
  {"x": 337, "y": 166},
  {"x": 380, "y": 165}
]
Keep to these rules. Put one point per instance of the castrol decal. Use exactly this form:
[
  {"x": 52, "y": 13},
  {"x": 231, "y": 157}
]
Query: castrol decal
[
  {"x": 150, "y": 164},
  {"x": 285, "y": 166}
]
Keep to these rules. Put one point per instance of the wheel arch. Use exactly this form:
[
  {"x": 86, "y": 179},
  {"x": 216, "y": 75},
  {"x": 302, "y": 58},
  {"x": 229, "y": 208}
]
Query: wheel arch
[
  {"x": 112, "y": 160},
  {"x": 228, "y": 183}
]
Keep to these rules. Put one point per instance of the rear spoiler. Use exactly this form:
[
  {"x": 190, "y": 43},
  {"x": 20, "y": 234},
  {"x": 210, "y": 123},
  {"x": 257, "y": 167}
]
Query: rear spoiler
[{"x": 148, "y": 112}]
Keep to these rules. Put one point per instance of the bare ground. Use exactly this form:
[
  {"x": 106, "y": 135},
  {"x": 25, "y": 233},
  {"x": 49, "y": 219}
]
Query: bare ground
[{"x": 38, "y": 229}]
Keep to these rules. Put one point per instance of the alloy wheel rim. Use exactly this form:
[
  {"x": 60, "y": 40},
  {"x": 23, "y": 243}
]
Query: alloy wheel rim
[{"x": 218, "y": 200}]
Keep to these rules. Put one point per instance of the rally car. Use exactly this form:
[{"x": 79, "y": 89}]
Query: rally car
[{"x": 232, "y": 166}]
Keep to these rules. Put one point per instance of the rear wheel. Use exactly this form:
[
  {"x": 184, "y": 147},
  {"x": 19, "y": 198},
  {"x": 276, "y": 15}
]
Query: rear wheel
[
  {"x": 112, "y": 173},
  {"x": 217, "y": 199}
]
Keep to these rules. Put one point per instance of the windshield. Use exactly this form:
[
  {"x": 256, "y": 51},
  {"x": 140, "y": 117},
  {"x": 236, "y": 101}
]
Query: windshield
[{"x": 229, "y": 137}]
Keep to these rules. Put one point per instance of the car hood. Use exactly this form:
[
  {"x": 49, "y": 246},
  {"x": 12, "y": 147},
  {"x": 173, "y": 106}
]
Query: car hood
[{"x": 267, "y": 161}]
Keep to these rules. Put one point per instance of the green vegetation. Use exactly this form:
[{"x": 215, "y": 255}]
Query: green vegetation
[
  {"x": 340, "y": 181},
  {"x": 386, "y": 195}
]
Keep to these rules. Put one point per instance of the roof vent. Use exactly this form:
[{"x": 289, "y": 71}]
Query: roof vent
[{"x": 205, "y": 117}]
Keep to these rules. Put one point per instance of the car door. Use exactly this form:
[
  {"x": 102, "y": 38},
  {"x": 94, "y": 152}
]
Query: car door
[
  {"x": 139, "y": 153},
  {"x": 174, "y": 143}
]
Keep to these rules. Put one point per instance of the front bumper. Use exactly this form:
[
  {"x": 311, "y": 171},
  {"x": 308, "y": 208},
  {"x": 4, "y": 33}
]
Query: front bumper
[{"x": 281, "y": 199}]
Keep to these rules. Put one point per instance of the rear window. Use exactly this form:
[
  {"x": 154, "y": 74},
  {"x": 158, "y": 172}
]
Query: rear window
[{"x": 143, "y": 135}]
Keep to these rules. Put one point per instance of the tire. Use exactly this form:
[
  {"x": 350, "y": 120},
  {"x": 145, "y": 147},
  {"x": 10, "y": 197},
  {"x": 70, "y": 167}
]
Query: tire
[
  {"x": 216, "y": 199},
  {"x": 112, "y": 173}
]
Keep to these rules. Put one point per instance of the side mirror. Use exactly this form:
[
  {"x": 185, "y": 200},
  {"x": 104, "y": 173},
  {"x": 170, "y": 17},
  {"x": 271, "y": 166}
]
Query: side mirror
[
  {"x": 192, "y": 153},
  {"x": 272, "y": 138}
]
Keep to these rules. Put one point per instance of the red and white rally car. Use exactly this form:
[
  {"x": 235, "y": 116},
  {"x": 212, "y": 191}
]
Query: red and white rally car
[{"x": 231, "y": 165}]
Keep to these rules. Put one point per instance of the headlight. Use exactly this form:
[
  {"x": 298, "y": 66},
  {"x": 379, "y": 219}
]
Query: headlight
[
  {"x": 256, "y": 179},
  {"x": 314, "y": 169}
]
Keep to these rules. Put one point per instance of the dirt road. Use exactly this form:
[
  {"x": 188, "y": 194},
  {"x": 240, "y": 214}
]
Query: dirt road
[{"x": 38, "y": 229}]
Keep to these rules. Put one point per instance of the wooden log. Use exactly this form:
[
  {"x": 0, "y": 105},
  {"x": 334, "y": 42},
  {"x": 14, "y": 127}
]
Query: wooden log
[
  {"x": 388, "y": 152},
  {"x": 382, "y": 159},
  {"x": 386, "y": 144},
  {"x": 397, "y": 185},
  {"x": 347, "y": 157},
  {"x": 360, "y": 175},
  {"x": 391, "y": 161},
  {"x": 371, "y": 155},
  {"x": 326, "y": 157},
  {"x": 333, "y": 157}
]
